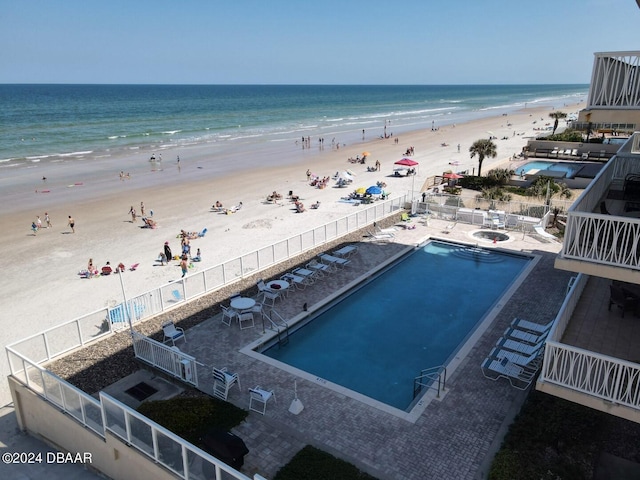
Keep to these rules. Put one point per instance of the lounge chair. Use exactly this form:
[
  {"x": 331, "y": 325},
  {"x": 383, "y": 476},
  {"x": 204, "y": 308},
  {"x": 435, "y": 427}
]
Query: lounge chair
[
  {"x": 134, "y": 267},
  {"x": 506, "y": 343},
  {"x": 346, "y": 252},
  {"x": 299, "y": 282},
  {"x": 524, "y": 336},
  {"x": 531, "y": 326},
  {"x": 202, "y": 233},
  {"x": 320, "y": 268},
  {"x": 381, "y": 237},
  {"x": 405, "y": 217},
  {"x": 539, "y": 229},
  {"x": 333, "y": 261},
  {"x": 530, "y": 361},
  {"x": 519, "y": 377}
]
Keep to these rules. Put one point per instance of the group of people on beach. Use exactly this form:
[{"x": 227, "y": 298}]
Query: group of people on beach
[
  {"x": 166, "y": 254},
  {"x": 107, "y": 269},
  {"x": 37, "y": 224}
]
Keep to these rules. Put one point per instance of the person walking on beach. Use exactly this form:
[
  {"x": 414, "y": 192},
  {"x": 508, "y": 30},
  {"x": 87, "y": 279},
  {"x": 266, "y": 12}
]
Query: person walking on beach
[
  {"x": 38, "y": 222},
  {"x": 184, "y": 265},
  {"x": 142, "y": 208},
  {"x": 72, "y": 224},
  {"x": 132, "y": 211},
  {"x": 378, "y": 165},
  {"x": 47, "y": 220},
  {"x": 167, "y": 251}
]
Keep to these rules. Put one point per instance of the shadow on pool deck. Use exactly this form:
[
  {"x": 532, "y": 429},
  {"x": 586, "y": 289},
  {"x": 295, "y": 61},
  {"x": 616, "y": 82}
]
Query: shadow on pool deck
[{"x": 454, "y": 438}]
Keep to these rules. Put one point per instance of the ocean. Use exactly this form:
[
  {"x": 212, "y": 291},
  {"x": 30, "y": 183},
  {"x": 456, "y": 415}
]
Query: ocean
[{"x": 61, "y": 123}]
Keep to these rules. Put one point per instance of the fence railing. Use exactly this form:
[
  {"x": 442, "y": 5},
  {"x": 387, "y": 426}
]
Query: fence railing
[
  {"x": 591, "y": 373},
  {"x": 161, "y": 445},
  {"x": 73, "y": 401},
  {"x": 165, "y": 358}
]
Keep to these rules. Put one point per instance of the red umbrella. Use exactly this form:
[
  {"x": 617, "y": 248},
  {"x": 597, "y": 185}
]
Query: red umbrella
[
  {"x": 407, "y": 162},
  {"x": 452, "y": 176}
]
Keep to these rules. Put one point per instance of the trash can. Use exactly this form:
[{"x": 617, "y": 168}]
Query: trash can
[{"x": 225, "y": 446}]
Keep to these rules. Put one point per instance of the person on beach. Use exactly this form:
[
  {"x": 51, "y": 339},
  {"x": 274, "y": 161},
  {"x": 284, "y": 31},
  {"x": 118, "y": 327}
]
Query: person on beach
[
  {"x": 184, "y": 265},
  {"x": 91, "y": 268},
  {"x": 197, "y": 258},
  {"x": 34, "y": 227},
  {"x": 72, "y": 224},
  {"x": 121, "y": 268},
  {"x": 167, "y": 251},
  {"x": 378, "y": 165},
  {"x": 47, "y": 220},
  {"x": 142, "y": 208},
  {"x": 38, "y": 222},
  {"x": 132, "y": 211},
  {"x": 308, "y": 174}
]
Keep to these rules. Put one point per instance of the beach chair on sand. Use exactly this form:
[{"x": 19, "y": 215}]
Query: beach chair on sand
[
  {"x": 202, "y": 233},
  {"x": 134, "y": 267}
]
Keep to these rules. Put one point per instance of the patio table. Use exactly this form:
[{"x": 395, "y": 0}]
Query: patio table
[{"x": 242, "y": 303}]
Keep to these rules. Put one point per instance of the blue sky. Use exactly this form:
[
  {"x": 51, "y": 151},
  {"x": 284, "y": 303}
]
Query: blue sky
[{"x": 304, "y": 42}]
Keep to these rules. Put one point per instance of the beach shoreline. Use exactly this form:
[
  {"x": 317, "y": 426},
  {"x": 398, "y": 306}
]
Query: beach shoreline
[{"x": 41, "y": 283}]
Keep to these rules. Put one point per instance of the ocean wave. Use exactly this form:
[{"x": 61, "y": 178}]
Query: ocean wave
[
  {"x": 171, "y": 132},
  {"x": 75, "y": 154}
]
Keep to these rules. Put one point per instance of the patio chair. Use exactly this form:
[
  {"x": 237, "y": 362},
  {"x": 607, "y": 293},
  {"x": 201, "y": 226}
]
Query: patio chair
[
  {"x": 228, "y": 314},
  {"x": 531, "y": 326},
  {"x": 223, "y": 380},
  {"x": 260, "y": 397},
  {"x": 245, "y": 320},
  {"x": 622, "y": 299},
  {"x": 519, "y": 377},
  {"x": 270, "y": 296},
  {"x": 172, "y": 333}
]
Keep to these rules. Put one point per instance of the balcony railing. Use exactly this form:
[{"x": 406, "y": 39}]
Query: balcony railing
[
  {"x": 602, "y": 238},
  {"x": 607, "y": 378}
]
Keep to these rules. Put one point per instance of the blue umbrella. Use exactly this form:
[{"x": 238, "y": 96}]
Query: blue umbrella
[{"x": 374, "y": 190}]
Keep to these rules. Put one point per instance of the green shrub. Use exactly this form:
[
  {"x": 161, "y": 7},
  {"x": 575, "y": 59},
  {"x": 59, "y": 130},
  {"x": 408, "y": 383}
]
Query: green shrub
[
  {"x": 313, "y": 464},
  {"x": 191, "y": 418}
]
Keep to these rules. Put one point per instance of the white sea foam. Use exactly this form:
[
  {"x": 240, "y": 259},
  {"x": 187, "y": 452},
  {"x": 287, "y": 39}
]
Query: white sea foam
[{"x": 171, "y": 132}]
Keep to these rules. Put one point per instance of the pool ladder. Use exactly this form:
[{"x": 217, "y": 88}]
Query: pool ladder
[
  {"x": 278, "y": 324},
  {"x": 434, "y": 377}
]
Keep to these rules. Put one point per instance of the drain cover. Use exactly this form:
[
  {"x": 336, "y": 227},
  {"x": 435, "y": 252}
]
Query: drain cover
[{"x": 141, "y": 391}]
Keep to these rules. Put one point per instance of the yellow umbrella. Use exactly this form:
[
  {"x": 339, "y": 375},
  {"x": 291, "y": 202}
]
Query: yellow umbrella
[{"x": 361, "y": 190}]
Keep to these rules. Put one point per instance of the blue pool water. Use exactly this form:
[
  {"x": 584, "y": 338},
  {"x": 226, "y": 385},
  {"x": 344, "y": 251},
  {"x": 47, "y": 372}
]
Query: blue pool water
[
  {"x": 569, "y": 168},
  {"x": 415, "y": 315}
]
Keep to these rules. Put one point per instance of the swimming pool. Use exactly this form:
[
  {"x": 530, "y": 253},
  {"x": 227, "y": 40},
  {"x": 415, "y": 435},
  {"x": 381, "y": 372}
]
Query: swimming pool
[
  {"x": 415, "y": 314},
  {"x": 570, "y": 169}
]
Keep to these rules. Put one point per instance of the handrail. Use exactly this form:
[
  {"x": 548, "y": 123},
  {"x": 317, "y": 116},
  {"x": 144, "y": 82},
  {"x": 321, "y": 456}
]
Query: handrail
[
  {"x": 436, "y": 375},
  {"x": 277, "y": 324}
]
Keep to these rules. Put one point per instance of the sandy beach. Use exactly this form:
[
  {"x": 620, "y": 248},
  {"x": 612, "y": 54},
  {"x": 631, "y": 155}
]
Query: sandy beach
[{"x": 41, "y": 285}]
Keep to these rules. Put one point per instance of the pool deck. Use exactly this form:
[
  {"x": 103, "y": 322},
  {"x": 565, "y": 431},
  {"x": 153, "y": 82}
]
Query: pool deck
[{"x": 455, "y": 436}]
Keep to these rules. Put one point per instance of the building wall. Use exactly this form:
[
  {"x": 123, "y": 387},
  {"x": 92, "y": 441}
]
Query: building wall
[{"x": 110, "y": 456}]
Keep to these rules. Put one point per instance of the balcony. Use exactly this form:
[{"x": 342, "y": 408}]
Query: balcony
[
  {"x": 591, "y": 355},
  {"x": 602, "y": 236}
]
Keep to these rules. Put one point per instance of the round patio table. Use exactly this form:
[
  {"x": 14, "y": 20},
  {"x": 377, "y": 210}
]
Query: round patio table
[
  {"x": 278, "y": 285},
  {"x": 243, "y": 303}
]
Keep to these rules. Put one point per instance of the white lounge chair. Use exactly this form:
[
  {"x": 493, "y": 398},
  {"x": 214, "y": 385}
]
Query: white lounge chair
[
  {"x": 539, "y": 229},
  {"x": 524, "y": 336},
  {"x": 320, "y": 268},
  {"x": 295, "y": 280},
  {"x": 530, "y": 361},
  {"x": 519, "y": 377},
  {"x": 531, "y": 326},
  {"x": 333, "y": 261},
  {"x": 223, "y": 380},
  {"x": 507, "y": 343}
]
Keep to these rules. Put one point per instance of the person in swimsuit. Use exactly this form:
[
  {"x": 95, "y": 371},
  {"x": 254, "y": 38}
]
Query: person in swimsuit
[{"x": 72, "y": 224}]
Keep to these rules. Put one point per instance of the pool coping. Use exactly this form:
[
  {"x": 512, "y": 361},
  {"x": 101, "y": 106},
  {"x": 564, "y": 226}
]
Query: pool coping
[{"x": 457, "y": 358}]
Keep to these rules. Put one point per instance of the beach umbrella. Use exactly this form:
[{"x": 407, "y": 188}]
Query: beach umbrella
[
  {"x": 453, "y": 176},
  {"x": 361, "y": 190},
  {"x": 374, "y": 190},
  {"x": 365, "y": 154},
  {"x": 346, "y": 176},
  {"x": 407, "y": 162}
]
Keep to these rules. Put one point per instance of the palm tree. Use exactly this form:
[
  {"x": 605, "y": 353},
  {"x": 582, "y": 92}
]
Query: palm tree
[
  {"x": 557, "y": 115},
  {"x": 483, "y": 148}
]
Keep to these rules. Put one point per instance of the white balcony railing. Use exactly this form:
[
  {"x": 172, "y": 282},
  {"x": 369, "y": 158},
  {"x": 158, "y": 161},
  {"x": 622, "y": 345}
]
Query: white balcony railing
[{"x": 607, "y": 378}]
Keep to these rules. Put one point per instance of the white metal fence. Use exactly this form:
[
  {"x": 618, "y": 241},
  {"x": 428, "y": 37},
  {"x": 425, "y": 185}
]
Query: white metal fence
[
  {"x": 161, "y": 445},
  {"x": 601, "y": 376},
  {"x": 166, "y": 358}
]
